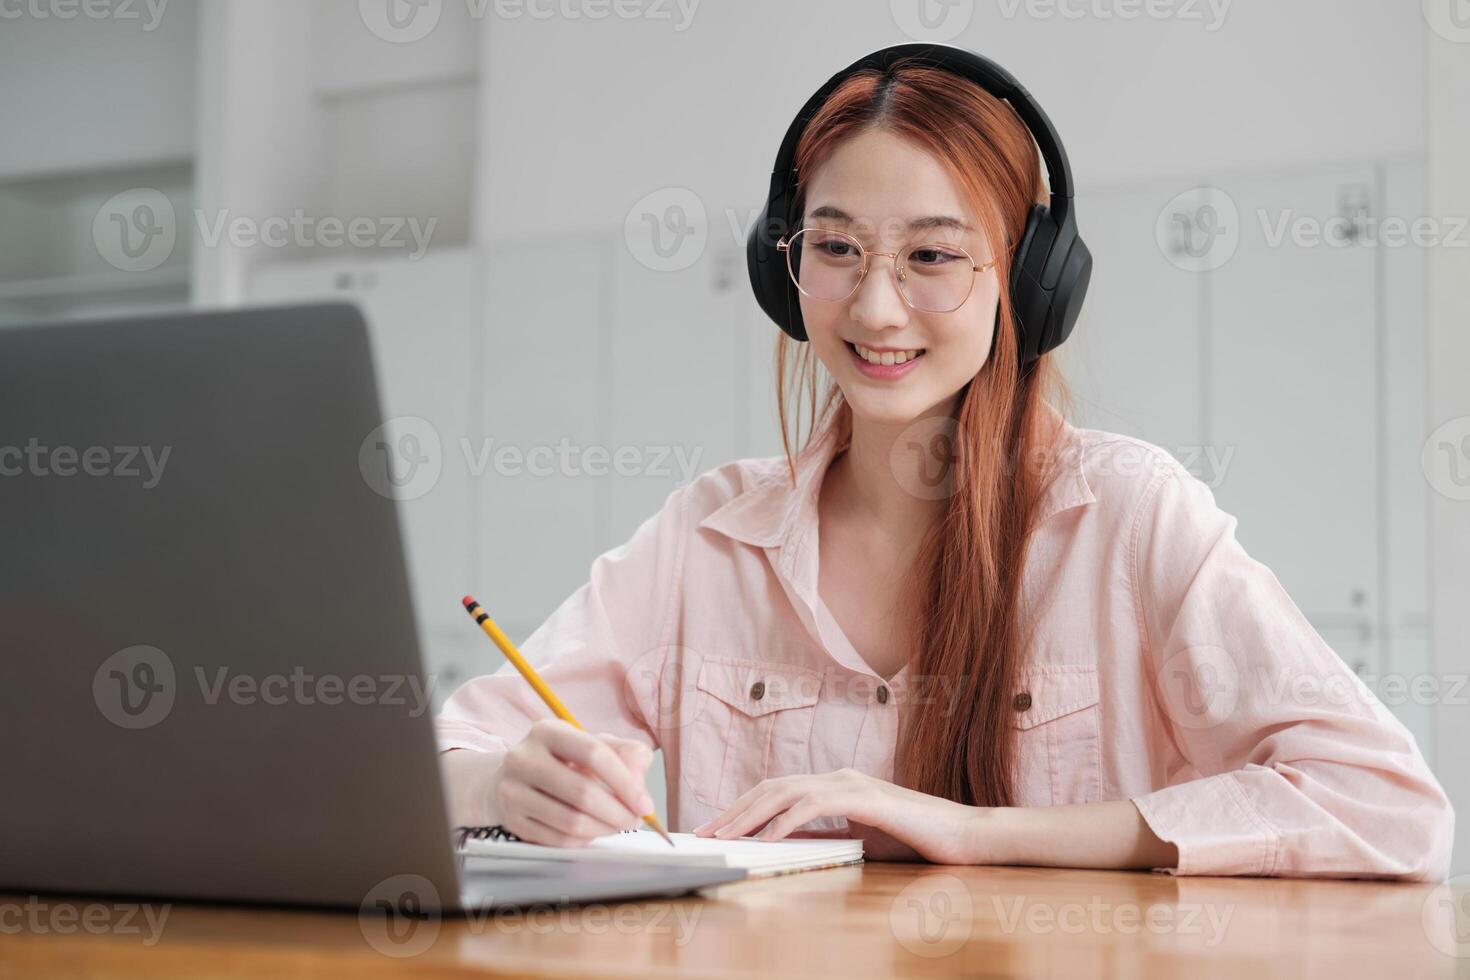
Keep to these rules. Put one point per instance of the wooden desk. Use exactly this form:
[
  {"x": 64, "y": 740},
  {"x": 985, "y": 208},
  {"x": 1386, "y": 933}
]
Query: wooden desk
[{"x": 861, "y": 921}]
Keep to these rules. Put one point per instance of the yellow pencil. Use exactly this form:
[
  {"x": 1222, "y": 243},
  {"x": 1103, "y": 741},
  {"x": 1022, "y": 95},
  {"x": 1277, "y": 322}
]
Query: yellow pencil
[{"x": 553, "y": 702}]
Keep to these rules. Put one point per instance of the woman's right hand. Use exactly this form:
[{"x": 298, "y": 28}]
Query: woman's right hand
[{"x": 562, "y": 786}]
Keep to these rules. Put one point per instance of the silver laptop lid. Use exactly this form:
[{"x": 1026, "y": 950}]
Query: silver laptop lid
[{"x": 210, "y": 685}]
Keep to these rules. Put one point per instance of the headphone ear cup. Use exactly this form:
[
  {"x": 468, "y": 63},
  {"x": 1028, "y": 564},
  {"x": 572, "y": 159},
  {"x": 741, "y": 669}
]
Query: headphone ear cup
[
  {"x": 1070, "y": 290},
  {"x": 1045, "y": 315},
  {"x": 773, "y": 288},
  {"x": 1030, "y": 301}
]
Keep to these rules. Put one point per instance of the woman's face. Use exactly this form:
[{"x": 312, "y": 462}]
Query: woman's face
[{"x": 890, "y": 191}]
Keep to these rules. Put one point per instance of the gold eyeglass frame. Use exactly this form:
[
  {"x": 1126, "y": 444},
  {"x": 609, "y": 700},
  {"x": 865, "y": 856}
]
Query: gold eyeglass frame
[{"x": 899, "y": 275}]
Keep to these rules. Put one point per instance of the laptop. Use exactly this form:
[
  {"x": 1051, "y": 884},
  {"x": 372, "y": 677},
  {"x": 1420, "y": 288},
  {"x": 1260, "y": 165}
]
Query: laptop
[{"x": 210, "y": 681}]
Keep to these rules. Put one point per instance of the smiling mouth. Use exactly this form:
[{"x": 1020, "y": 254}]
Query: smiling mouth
[{"x": 882, "y": 358}]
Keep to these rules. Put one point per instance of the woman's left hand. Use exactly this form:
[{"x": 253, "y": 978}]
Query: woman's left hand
[{"x": 908, "y": 824}]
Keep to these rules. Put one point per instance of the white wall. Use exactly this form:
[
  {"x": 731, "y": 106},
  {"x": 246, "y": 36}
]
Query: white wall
[
  {"x": 260, "y": 141},
  {"x": 643, "y": 105}
]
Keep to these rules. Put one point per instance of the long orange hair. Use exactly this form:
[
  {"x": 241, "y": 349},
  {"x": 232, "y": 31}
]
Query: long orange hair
[{"x": 963, "y": 606}]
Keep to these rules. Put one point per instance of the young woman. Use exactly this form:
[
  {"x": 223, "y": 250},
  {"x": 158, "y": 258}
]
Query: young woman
[{"x": 952, "y": 624}]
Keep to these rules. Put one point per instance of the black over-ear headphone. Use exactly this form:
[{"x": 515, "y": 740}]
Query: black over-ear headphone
[{"x": 1051, "y": 265}]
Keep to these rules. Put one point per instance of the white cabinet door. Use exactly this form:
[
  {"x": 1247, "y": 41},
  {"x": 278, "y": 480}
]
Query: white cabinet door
[
  {"x": 1293, "y": 393},
  {"x": 545, "y": 404},
  {"x": 1404, "y": 346},
  {"x": 759, "y": 432},
  {"x": 1134, "y": 361},
  {"x": 424, "y": 322},
  {"x": 64, "y": 72},
  {"x": 1406, "y": 667},
  {"x": 678, "y": 345}
]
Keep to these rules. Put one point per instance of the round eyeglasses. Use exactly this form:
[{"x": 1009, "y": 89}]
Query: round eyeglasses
[{"x": 933, "y": 277}]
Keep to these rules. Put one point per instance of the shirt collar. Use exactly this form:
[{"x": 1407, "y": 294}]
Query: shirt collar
[{"x": 769, "y": 513}]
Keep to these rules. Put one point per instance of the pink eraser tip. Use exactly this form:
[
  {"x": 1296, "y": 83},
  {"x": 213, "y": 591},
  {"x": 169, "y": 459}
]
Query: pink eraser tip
[{"x": 469, "y": 601}]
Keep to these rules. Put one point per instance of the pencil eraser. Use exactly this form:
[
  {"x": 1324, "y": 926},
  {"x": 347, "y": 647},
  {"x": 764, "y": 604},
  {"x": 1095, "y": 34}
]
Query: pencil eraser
[{"x": 469, "y": 602}]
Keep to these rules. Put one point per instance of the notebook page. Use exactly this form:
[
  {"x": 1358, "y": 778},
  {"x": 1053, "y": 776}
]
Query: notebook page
[{"x": 644, "y": 846}]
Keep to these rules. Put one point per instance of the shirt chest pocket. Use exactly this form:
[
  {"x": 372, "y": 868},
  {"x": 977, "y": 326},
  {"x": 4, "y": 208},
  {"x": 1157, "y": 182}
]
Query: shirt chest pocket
[
  {"x": 1058, "y": 735},
  {"x": 752, "y": 720}
]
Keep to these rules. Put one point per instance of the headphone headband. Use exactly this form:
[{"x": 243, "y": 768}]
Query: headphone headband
[{"x": 957, "y": 61}]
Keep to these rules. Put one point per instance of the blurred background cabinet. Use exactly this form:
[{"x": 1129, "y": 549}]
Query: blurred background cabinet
[
  {"x": 1289, "y": 378},
  {"x": 71, "y": 146}
]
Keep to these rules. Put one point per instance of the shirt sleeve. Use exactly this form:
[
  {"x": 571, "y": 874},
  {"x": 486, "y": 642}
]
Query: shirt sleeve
[
  {"x": 602, "y": 650},
  {"x": 1292, "y": 766}
]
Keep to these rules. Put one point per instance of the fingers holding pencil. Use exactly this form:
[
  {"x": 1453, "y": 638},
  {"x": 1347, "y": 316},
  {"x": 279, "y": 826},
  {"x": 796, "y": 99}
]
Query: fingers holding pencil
[
  {"x": 618, "y": 763},
  {"x": 596, "y": 758},
  {"x": 548, "y": 797}
]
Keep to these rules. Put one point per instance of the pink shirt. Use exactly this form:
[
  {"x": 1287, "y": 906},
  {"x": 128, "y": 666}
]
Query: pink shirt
[{"x": 1168, "y": 668}]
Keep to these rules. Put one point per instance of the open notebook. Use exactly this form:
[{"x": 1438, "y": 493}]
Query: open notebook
[{"x": 757, "y": 857}]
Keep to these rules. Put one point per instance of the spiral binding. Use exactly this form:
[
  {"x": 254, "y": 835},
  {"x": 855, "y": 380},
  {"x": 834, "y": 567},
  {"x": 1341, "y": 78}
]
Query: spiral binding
[
  {"x": 497, "y": 832},
  {"x": 493, "y": 832}
]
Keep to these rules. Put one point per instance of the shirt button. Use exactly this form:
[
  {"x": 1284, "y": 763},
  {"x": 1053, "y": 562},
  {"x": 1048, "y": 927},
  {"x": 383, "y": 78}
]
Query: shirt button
[
  {"x": 882, "y": 695},
  {"x": 1023, "y": 701},
  {"x": 758, "y": 690}
]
